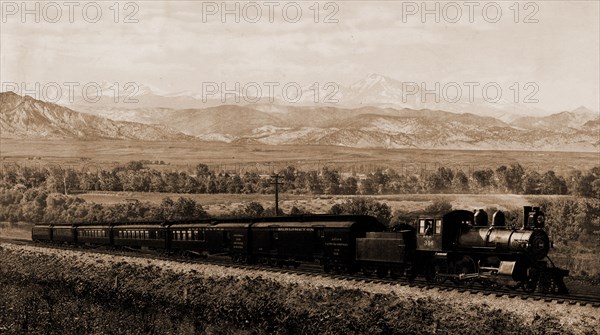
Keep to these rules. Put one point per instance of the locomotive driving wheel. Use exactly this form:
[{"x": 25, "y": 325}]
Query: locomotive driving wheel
[
  {"x": 530, "y": 285},
  {"x": 464, "y": 267},
  {"x": 436, "y": 272},
  {"x": 440, "y": 269}
]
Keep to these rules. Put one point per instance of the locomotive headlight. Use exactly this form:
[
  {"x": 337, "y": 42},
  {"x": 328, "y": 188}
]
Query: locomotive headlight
[{"x": 541, "y": 219}]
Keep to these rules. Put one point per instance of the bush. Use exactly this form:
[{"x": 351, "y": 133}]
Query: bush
[{"x": 364, "y": 206}]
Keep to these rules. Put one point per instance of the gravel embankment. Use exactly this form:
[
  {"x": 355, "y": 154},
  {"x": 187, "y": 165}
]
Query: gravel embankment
[{"x": 71, "y": 292}]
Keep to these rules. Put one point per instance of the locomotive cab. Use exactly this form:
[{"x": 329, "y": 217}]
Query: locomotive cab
[{"x": 429, "y": 234}]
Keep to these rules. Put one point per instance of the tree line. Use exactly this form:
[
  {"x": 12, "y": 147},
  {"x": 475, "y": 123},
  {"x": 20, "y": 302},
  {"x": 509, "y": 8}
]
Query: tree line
[{"x": 137, "y": 177}]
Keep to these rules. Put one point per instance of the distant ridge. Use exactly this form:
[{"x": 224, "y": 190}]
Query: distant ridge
[{"x": 26, "y": 117}]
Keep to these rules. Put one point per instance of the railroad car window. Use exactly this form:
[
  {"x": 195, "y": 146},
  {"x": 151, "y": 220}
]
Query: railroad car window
[
  {"x": 319, "y": 233},
  {"x": 202, "y": 235},
  {"x": 422, "y": 227},
  {"x": 438, "y": 226}
]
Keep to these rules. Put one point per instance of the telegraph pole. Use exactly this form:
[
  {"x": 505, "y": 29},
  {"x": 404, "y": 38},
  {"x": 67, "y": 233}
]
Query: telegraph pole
[{"x": 276, "y": 183}]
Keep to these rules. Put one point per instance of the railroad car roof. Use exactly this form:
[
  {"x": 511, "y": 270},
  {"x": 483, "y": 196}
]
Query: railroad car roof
[
  {"x": 212, "y": 225},
  {"x": 93, "y": 227},
  {"x": 139, "y": 227},
  {"x": 316, "y": 224}
]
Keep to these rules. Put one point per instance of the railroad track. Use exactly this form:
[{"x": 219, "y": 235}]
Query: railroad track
[{"x": 314, "y": 270}]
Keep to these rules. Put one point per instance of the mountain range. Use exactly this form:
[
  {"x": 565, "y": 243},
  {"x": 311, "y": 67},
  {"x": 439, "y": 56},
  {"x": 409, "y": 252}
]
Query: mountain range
[
  {"x": 374, "y": 90},
  {"x": 26, "y": 117},
  {"x": 261, "y": 123}
]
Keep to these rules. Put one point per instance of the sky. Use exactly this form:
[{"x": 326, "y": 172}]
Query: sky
[{"x": 179, "y": 45}]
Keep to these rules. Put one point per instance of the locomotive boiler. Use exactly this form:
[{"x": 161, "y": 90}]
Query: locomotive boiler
[{"x": 496, "y": 238}]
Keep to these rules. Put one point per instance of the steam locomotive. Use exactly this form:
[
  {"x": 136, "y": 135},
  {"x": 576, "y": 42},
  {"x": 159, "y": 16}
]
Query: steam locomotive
[{"x": 460, "y": 246}]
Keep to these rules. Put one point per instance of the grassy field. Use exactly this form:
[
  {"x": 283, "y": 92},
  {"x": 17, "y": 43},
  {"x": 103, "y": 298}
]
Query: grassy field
[
  {"x": 225, "y": 203},
  {"x": 249, "y": 157}
]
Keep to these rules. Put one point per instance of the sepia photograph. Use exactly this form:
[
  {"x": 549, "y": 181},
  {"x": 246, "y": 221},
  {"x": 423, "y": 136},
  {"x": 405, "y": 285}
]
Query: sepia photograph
[{"x": 299, "y": 167}]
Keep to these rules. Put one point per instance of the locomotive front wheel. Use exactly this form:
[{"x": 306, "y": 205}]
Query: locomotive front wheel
[{"x": 529, "y": 286}]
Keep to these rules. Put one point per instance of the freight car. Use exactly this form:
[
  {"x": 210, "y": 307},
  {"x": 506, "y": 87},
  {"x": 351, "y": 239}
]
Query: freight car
[{"x": 460, "y": 246}]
